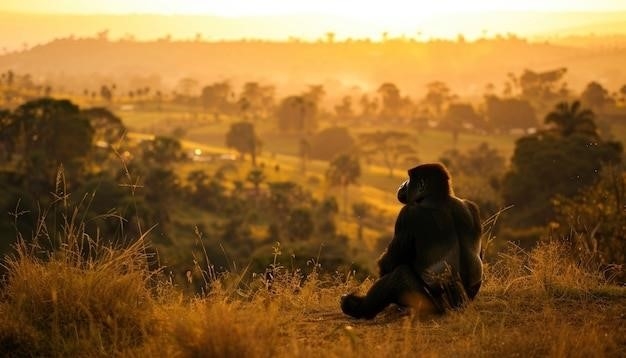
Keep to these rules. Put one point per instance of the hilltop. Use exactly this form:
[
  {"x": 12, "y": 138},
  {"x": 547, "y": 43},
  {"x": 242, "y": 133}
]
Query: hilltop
[{"x": 72, "y": 64}]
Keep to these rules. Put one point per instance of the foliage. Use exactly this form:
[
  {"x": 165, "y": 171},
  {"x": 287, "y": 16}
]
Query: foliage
[
  {"x": 438, "y": 95},
  {"x": 555, "y": 162},
  {"x": 344, "y": 170},
  {"x": 256, "y": 100},
  {"x": 161, "y": 151},
  {"x": 394, "y": 106},
  {"x": 569, "y": 119},
  {"x": 216, "y": 97},
  {"x": 45, "y": 133},
  {"x": 543, "y": 89},
  {"x": 300, "y": 224},
  {"x": 344, "y": 111},
  {"x": 477, "y": 175},
  {"x": 297, "y": 113},
  {"x": 509, "y": 113},
  {"x": 593, "y": 223},
  {"x": 204, "y": 191},
  {"x": 331, "y": 141},
  {"x": 596, "y": 97},
  {"x": 390, "y": 146},
  {"x": 243, "y": 138},
  {"x": 459, "y": 117}
]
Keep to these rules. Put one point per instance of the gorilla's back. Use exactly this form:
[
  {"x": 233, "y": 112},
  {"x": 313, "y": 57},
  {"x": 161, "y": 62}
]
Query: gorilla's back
[
  {"x": 469, "y": 229},
  {"x": 437, "y": 245}
]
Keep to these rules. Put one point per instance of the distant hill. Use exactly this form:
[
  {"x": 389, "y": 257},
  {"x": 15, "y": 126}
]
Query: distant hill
[{"x": 77, "y": 63}]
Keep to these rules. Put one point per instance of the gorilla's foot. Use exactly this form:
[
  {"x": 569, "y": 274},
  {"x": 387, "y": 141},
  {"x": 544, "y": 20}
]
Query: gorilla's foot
[
  {"x": 353, "y": 305},
  {"x": 419, "y": 303}
]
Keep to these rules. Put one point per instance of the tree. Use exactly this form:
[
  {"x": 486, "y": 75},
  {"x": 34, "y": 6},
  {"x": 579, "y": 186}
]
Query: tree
[
  {"x": 315, "y": 94},
  {"x": 162, "y": 151},
  {"x": 216, "y": 97},
  {"x": 437, "y": 96},
  {"x": 161, "y": 186},
  {"x": 107, "y": 94},
  {"x": 391, "y": 100},
  {"x": 283, "y": 197},
  {"x": 344, "y": 110},
  {"x": 331, "y": 141},
  {"x": 257, "y": 100},
  {"x": 596, "y": 97},
  {"x": 477, "y": 174},
  {"x": 7, "y": 135},
  {"x": 297, "y": 113},
  {"x": 343, "y": 171},
  {"x": 368, "y": 107},
  {"x": 48, "y": 133},
  {"x": 543, "y": 89},
  {"x": 482, "y": 160},
  {"x": 205, "y": 191},
  {"x": 458, "y": 117},
  {"x": 242, "y": 137},
  {"x": 390, "y": 146},
  {"x": 509, "y": 113},
  {"x": 569, "y": 119},
  {"x": 108, "y": 128},
  {"x": 561, "y": 161}
]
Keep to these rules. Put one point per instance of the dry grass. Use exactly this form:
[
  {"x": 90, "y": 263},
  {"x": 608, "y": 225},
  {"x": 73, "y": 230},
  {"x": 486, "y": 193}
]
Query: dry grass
[{"x": 107, "y": 304}]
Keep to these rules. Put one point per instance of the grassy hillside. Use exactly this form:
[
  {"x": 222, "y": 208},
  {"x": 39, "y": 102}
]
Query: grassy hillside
[{"x": 532, "y": 304}]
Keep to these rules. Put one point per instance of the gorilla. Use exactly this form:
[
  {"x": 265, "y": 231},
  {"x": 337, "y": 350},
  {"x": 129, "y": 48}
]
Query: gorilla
[{"x": 433, "y": 263}]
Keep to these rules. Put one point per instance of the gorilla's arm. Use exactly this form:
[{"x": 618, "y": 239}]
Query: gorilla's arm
[
  {"x": 401, "y": 248},
  {"x": 476, "y": 226}
]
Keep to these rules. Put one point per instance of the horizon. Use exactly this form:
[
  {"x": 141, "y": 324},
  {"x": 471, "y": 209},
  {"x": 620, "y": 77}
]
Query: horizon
[
  {"x": 40, "y": 28},
  {"x": 285, "y": 19}
]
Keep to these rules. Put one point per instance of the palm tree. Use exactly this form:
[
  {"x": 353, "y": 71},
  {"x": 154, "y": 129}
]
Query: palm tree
[{"x": 569, "y": 119}]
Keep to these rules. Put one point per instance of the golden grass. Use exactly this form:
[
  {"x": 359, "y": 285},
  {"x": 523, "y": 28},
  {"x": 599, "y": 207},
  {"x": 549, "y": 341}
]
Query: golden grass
[{"x": 532, "y": 304}]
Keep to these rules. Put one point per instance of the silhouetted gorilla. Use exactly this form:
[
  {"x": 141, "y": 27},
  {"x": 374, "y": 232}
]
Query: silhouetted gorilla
[{"x": 433, "y": 262}]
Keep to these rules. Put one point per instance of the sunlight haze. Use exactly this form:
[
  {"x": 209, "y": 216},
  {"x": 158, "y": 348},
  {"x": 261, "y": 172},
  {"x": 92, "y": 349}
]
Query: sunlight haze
[
  {"x": 361, "y": 9},
  {"x": 27, "y": 22}
]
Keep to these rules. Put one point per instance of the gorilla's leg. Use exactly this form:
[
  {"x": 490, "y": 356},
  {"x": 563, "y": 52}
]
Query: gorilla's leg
[
  {"x": 399, "y": 286},
  {"x": 472, "y": 291}
]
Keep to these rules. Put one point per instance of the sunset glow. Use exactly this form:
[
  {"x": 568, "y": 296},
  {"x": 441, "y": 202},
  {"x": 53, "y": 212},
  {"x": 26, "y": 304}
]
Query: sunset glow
[
  {"x": 311, "y": 20},
  {"x": 367, "y": 9}
]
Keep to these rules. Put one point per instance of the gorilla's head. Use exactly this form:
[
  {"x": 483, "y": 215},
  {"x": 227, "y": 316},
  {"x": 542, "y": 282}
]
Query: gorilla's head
[{"x": 425, "y": 181}]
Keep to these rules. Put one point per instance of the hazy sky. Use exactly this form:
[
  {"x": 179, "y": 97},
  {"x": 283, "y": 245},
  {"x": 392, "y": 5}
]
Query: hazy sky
[
  {"x": 347, "y": 18},
  {"x": 352, "y": 8}
]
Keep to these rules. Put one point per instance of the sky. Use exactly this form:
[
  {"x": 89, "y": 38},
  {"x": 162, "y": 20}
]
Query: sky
[
  {"x": 283, "y": 19},
  {"x": 350, "y": 8}
]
